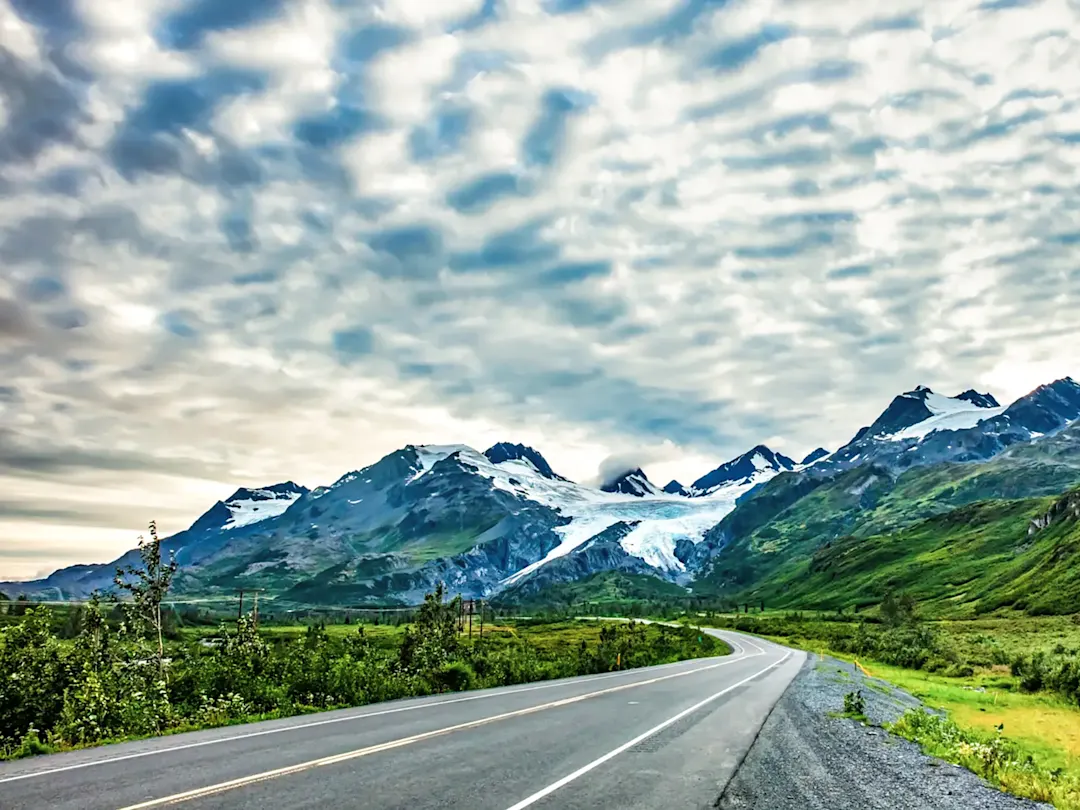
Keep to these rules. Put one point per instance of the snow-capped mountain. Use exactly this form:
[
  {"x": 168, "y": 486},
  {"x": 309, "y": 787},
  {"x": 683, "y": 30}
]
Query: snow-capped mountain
[
  {"x": 249, "y": 506},
  {"x": 758, "y": 465},
  {"x": 632, "y": 482},
  {"x": 222, "y": 523},
  {"x": 918, "y": 413},
  {"x": 506, "y": 451},
  {"x": 480, "y": 522},
  {"x": 921, "y": 427},
  {"x": 503, "y": 519}
]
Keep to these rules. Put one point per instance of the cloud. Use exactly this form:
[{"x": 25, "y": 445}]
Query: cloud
[{"x": 246, "y": 242}]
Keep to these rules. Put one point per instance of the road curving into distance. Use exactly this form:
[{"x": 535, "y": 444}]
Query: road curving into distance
[{"x": 650, "y": 738}]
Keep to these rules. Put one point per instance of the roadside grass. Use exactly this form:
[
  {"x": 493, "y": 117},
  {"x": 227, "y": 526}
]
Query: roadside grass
[
  {"x": 1045, "y": 726},
  {"x": 1024, "y": 743}
]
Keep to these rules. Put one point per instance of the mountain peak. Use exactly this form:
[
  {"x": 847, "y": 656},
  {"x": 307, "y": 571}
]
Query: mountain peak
[
  {"x": 749, "y": 464},
  {"x": 675, "y": 488},
  {"x": 815, "y": 455},
  {"x": 247, "y": 506},
  {"x": 507, "y": 451},
  {"x": 632, "y": 482},
  {"x": 978, "y": 399},
  {"x": 269, "y": 493}
]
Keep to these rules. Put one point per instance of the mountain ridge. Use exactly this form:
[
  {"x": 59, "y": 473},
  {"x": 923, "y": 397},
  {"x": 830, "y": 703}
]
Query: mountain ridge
[{"x": 503, "y": 520}]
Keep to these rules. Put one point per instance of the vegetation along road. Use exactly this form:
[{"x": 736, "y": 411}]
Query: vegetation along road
[{"x": 659, "y": 736}]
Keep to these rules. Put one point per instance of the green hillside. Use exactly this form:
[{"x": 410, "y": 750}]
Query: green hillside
[
  {"x": 604, "y": 587},
  {"x": 771, "y": 539},
  {"x": 970, "y": 561}
]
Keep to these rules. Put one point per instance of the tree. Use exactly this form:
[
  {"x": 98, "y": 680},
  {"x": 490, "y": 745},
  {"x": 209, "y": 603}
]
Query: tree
[
  {"x": 20, "y": 606},
  {"x": 148, "y": 585},
  {"x": 432, "y": 640},
  {"x": 897, "y": 609}
]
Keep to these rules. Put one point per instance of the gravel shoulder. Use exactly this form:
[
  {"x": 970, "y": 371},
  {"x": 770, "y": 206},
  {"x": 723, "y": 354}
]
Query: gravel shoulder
[{"x": 805, "y": 759}]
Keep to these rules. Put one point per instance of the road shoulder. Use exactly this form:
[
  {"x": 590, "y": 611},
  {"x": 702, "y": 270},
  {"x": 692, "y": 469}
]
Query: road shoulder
[{"x": 806, "y": 758}]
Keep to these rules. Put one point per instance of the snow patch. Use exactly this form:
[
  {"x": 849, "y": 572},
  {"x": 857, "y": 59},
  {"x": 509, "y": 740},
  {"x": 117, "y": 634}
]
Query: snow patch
[
  {"x": 428, "y": 455},
  {"x": 948, "y": 414},
  {"x": 247, "y": 511},
  {"x": 662, "y": 519}
]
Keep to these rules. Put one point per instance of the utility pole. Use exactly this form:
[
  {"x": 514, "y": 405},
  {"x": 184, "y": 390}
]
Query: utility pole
[
  {"x": 256, "y": 610},
  {"x": 481, "y": 619},
  {"x": 240, "y": 610},
  {"x": 470, "y": 619}
]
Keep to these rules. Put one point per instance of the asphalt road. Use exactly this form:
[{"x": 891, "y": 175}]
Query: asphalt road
[{"x": 660, "y": 737}]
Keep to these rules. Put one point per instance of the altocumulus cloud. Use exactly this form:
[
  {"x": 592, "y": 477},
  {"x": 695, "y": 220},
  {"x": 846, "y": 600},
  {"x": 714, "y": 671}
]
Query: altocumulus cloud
[{"x": 250, "y": 241}]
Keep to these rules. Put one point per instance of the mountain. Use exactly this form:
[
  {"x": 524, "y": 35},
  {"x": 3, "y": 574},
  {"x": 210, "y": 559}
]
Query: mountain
[
  {"x": 502, "y": 522},
  {"x": 221, "y": 524},
  {"x": 757, "y": 463},
  {"x": 763, "y": 547},
  {"x": 969, "y": 561},
  {"x": 249, "y": 506},
  {"x": 673, "y": 487},
  {"x": 505, "y": 451},
  {"x": 814, "y": 456},
  {"x": 633, "y": 482},
  {"x": 979, "y": 400},
  {"x": 387, "y": 533},
  {"x": 921, "y": 427}
]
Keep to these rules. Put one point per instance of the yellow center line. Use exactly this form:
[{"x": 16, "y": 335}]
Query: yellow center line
[{"x": 243, "y": 781}]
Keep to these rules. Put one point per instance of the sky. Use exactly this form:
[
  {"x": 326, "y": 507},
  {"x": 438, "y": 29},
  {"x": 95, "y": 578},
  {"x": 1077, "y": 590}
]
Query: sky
[{"x": 259, "y": 240}]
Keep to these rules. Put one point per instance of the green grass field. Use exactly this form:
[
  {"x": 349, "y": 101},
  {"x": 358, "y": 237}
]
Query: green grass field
[{"x": 1042, "y": 725}]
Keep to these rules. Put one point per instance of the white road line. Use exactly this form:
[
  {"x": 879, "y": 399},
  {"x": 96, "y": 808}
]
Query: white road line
[
  {"x": 540, "y": 794},
  {"x": 243, "y": 781},
  {"x": 334, "y": 720}
]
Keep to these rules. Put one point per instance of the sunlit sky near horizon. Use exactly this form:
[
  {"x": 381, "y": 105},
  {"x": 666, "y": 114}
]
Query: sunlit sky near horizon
[{"x": 257, "y": 240}]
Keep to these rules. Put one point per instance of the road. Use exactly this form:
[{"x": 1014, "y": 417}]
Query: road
[{"x": 658, "y": 737}]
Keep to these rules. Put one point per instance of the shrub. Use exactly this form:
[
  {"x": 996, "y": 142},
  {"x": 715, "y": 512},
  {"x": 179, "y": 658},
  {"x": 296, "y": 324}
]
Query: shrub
[
  {"x": 454, "y": 676},
  {"x": 108, "y": 685},
  {"x": 854, "y": 704}
]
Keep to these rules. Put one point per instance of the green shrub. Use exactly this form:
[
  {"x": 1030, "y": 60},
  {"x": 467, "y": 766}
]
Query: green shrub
[
  {"x": 854, "y": 704},
  {"x": 106, "y": 686},
  {"x": 454, "y": 676}
]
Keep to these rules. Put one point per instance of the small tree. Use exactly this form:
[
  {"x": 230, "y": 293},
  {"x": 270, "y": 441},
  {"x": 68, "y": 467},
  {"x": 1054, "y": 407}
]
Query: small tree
[
  {"x": 148, "y": 585},
  {"x": 432, "y": 640},
  {"x": 21, "y": 605},
  {"x": 897, "y": 609}
]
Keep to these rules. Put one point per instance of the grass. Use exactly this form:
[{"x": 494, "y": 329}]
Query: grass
[
  {"x": 544, "y": 636},
  {"x": 990, "y": 722},
  {"x": 1041, "y": 724},
  {"x": 956, "y": 537}
]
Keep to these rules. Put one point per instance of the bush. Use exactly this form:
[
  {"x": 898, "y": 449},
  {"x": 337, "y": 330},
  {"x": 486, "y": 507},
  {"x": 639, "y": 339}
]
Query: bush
[
  {"x": 854, "y": 704},
  {"x": 105, "y": 686},
  {"x": 454, "y": 676}
]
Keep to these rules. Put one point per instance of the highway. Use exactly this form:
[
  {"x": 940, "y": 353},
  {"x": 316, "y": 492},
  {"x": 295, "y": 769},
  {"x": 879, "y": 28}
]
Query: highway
[{"x": 658, "y": 737}]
